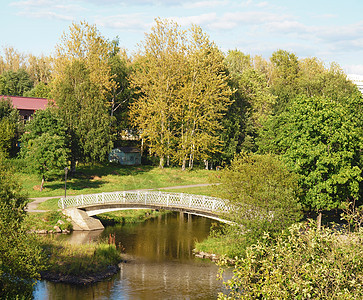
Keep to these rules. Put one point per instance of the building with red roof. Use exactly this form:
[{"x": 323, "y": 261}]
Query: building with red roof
[{"x": 27, "y": 106}]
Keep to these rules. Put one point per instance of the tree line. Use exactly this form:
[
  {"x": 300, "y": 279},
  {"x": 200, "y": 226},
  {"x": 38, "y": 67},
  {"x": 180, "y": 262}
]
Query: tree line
[{"x": 188, "y": 103}]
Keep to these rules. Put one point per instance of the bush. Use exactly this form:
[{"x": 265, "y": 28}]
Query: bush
[
  {"x": 302, "y": 263},
  {"x": 262, "y": 192}
]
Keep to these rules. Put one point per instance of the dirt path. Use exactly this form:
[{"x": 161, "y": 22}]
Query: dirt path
[{"x": 33, "y": 206}]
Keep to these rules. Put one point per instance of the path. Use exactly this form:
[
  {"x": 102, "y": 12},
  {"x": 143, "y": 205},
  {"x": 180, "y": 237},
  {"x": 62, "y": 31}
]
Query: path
[{"x": 32, "y": 206}]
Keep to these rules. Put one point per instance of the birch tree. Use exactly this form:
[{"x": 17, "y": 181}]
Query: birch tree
[
  {"x": 182, "y": 93},
  {"x": 81, "y": 86},
  {"x": 157, "y": 78},
  {"x": 204, "y": 98}
]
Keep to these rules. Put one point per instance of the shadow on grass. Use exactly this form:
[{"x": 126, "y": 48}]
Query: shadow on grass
[
  {"x": 110, "y": 169},
  {"x": 76, "y": 184}
]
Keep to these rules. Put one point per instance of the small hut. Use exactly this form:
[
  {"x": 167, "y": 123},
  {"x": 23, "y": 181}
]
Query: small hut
[{"x": 127, "y": 156}]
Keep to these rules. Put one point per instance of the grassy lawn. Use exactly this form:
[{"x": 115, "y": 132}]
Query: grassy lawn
[
  {"x": 198, "y": 190},
  {"x": 97, "y": 179}
]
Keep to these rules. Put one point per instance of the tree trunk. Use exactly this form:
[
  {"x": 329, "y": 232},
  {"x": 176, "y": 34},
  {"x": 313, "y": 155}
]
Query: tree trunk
[
  {"x": 206, "y": 164},
  {"x": 318, "y": 221},
  {"x": 161, "y": 162},
  {"x": 184, "y": 163},
  {"x": 42, "y": 184}
]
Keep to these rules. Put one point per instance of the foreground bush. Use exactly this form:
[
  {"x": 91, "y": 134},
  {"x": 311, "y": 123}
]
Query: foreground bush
[{"x": 302, "y": 263}]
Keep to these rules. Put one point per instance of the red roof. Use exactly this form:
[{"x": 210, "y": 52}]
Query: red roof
[{"x": 27, "y": 103}]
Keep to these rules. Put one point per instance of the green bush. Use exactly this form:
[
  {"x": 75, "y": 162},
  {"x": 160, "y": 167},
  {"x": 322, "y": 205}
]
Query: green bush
[{"x": 301, "y": 263}]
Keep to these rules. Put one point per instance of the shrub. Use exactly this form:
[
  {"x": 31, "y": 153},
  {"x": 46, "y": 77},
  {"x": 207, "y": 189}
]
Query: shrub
[{"x": 302, "y": 263}]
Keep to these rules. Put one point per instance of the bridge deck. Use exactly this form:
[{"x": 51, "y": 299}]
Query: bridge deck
[{"x": 94, "y": 204}]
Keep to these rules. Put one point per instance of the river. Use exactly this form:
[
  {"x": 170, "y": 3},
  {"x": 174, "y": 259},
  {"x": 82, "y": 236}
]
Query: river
[{"x": 159, "y": 263}]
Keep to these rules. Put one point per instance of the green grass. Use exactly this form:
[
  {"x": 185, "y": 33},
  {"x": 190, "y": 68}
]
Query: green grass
[
  {"x": 79, "y": 259},
  {"x": 109, "y": 178},
  {"x": 199, "y": 190},
  {"x": 128, "y": 216},
  {"x": 47, "y": 221}
]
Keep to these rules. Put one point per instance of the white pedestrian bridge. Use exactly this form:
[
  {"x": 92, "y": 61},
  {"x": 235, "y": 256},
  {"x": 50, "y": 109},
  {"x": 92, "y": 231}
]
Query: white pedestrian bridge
[{"x": 94, "y": 204}]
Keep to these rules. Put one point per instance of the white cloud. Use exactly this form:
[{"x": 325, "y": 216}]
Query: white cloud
[
  {"x": 206, "y": 4},
  {"x": 262, "y": 4},
  {"x": 353, "y": 69},
  {"x": 203, "y": 19},
  {"x": 124, "y": 22}
]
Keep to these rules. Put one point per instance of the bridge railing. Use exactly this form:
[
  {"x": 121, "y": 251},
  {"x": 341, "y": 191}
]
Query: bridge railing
[{"x": 179, "y": 200}]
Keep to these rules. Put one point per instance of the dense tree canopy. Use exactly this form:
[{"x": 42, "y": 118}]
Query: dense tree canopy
[
  {"x": 82, "y": 81},
  {"x": 15, "y": 83},
  {"x": 10, "y": 127},
  {"x": 183, "y": 93},
  {"x": 45, "y": 145},
  {"x": 321, "y": 140},
  {"x": 263, "y": 192}
]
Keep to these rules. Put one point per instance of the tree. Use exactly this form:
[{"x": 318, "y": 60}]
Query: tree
[
  {"x": 15, "y": 83},
  {"x": 12, "y": 60},
  {"x": 252, "y": 103},
  {"x": 41, "y": 90},
  {"x": 321, "y": 140},
  {"x": 45, "y": 145},
  {"x": 121, "y": 93},
  {"x": 47, "y": 155},
  {"x": 82, "y": 82},
  {"x": 263, "y": 193},
  {"x": 316, "y": 80},
  {"x": 284, "y": 77},
  {"x": 157, "y": 77},
  {"x": 20, "y": 257},
  {"x": 183, "y": 93},
  {"x": 39, "y": 68},
  {"x": 10, "y": 127}
]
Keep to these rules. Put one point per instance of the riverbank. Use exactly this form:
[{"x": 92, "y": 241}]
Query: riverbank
[{"x": 80, "y": 263}]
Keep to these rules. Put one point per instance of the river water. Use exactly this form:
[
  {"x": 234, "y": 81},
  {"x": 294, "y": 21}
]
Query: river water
[{"x": 159, "y": 263}]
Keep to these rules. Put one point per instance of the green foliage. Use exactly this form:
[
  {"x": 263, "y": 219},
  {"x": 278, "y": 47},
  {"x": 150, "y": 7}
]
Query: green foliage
[
  {"x": 45, "y": 121},
  {"x": 84, "y": 111},
  {"x": 7, "y": 135},
  {"x": 15, "y": 83},
  {"x": 47, "y": 221},
  {"x": 82, "y": 82},
  {"x": 45, "y": 144},
  {"x": 41, "y": 90},
  {"x": 321, "y": 140},
  {"x": 182, "y": 94},
  {"x": 20, "y": 257},
  {"x": 284, "y": 77},
  {"x": 46, "y": 155},
  {"x": 225, "y": 241},
  {"x": 128, "y": 216},
  {"x": 301, "y": 263},
  {"x": 121, "y": 93},
  {"x": 10, "y": 127},
  {"x": 263, "y": 192}
]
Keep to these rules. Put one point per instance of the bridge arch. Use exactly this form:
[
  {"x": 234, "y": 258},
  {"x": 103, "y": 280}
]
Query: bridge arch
[{"x": 94, "y": 204}]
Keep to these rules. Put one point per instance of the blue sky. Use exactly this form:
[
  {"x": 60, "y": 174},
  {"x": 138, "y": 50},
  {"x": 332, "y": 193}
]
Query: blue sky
[{"x": 330, "y": 30}]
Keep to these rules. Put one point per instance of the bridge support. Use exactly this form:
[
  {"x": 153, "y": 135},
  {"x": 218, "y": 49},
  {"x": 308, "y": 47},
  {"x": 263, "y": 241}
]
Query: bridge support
[{"x": 81, "y": 221}]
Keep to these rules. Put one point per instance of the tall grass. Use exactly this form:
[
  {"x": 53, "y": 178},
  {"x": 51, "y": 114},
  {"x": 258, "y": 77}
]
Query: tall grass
[{"x": 79, "y": 259}]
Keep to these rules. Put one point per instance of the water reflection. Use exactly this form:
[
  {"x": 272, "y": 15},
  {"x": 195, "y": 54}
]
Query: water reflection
[{"x": 160, "y": 264}]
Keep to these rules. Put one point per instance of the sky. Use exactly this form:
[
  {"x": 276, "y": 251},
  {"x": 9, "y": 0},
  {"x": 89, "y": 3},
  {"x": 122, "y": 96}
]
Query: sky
[{"x": 331, "y": 30}]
